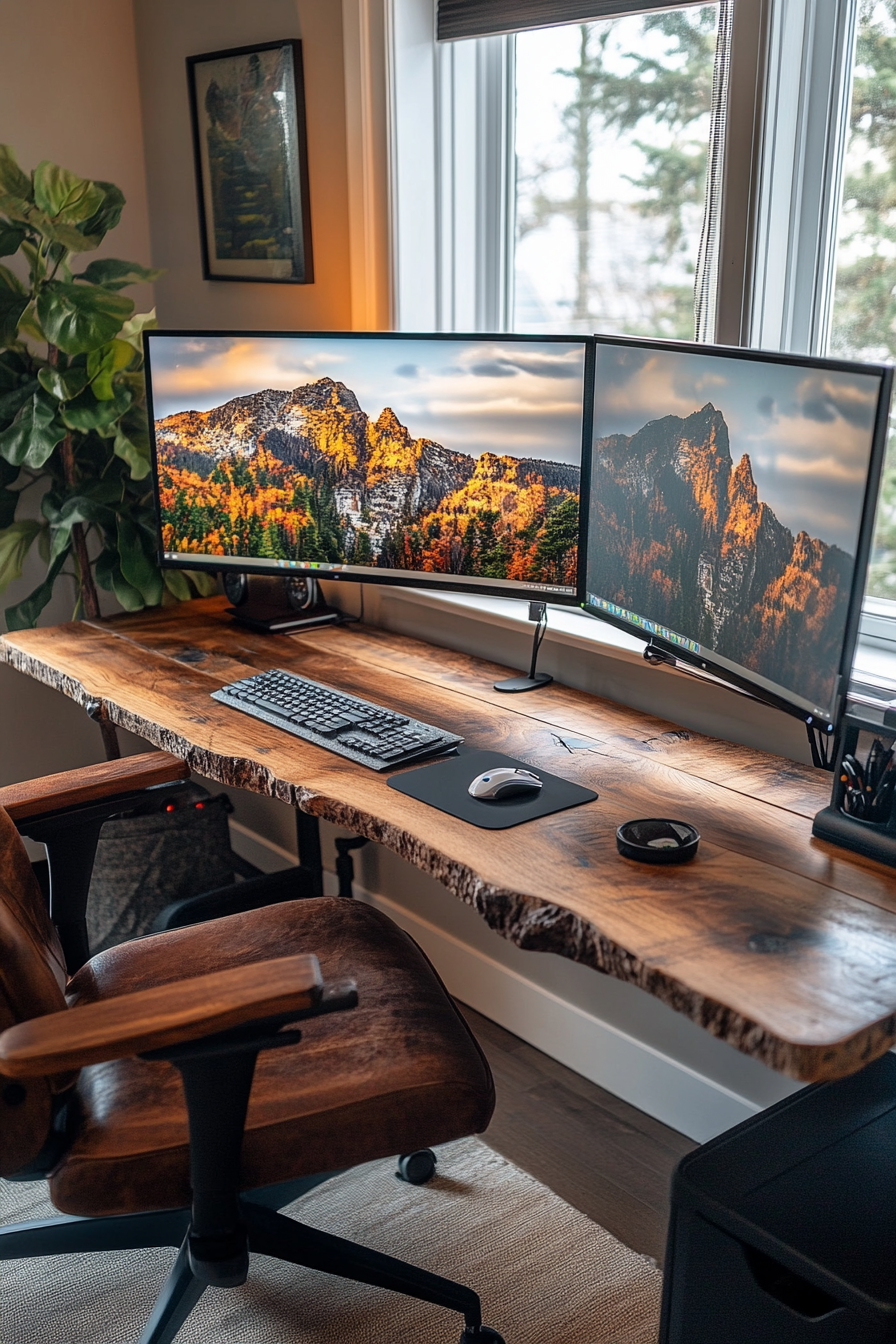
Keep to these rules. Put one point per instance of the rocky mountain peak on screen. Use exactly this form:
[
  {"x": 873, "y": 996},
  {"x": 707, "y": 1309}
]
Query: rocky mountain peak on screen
[
  {"x": 680, "y": 535},
  {"x": 380, "y": 478}
]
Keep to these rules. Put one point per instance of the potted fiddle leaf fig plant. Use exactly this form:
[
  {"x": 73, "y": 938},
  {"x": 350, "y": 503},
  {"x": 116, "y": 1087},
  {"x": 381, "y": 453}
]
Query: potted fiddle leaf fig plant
[{"x": 74, "y": 442}]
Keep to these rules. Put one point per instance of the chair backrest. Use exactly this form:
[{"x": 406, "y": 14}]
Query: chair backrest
[{"x": 32, "y": 983}]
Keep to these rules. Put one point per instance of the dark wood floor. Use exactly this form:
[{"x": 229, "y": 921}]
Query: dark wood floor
[{"x": 598, "y": 1153}]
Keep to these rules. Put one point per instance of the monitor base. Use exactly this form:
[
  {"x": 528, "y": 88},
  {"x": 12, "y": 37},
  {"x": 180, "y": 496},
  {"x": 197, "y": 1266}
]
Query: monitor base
[
  {"x": 515, "y": 684},
  {"x": 538, "y": 612},
  {"x": 277, "y": 620}
]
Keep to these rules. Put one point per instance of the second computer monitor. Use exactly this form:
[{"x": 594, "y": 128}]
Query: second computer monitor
[
  {"x": 731, "y": 509},
  {"x": 448, "y": 461}
]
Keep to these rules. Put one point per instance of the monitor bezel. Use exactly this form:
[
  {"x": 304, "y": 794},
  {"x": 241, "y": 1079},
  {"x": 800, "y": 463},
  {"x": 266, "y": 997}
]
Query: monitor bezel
[
  {"x": 745, "y": 681},
  {"x": 514, "y": 589}
]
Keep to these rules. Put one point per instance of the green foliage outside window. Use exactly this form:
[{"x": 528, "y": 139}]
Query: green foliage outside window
[
  {"x": 634, "y": 96},
  {"x": 864, "y": 319}
]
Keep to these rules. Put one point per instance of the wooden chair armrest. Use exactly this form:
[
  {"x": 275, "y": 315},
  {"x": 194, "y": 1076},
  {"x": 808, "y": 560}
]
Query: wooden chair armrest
[
  {"x": 153, "y": 1019},
  {"x": 74, "y": 788}
]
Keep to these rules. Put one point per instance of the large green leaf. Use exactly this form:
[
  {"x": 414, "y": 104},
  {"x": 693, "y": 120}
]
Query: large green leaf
[
  {"x": 13, "y": 182},
  {"x": 109, "y": 576},
  {"x": 63, "y": 195},
  {"x": 79, "y": 318},
  {"x": 34, "y": 433},
  {"x": 137, "y": 458},
  {"x": 132, "y": 443},
  {"x": 85, "y": 412},
  {"x": 12, "y": 236},
  {"x": 68, "y": 236},
  {"x": 176, "y": 582},
  {"x": 107, "y": 215},
  {"x": 77, "y": 509},
  {"x": 25, "y": 614},
  {"x": 63, "y": 384},
  {"x": 206, "y": 584},
  {"x": 12, "y": 306},
  {"x": 114, "y": 274},
  {"x": 12, "y": 401},
  {"x": 132, "y": 331},
  {"x": 104, "y": 363},
  {"x": 15, "y": 543},
  {"x": 139, "y": 569},
  {"x": 14, "y": 368},
  {"x": 29, "y": 325}
]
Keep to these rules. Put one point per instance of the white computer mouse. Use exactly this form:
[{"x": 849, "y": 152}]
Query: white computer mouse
[{"x": 504, "y": 781}]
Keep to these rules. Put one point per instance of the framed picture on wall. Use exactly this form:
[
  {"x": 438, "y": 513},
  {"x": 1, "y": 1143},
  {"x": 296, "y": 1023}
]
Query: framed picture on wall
[{"x": 248, "y": 110}]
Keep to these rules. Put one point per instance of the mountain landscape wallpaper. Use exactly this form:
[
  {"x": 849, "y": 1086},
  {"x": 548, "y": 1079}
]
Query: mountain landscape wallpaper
[
  {"x": 726, "y": 501},
  {"x": 447, "y": 457}
]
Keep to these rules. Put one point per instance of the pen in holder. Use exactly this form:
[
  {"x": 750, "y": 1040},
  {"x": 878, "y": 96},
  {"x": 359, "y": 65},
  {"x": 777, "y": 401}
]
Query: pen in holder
[{"x": 862, "y": 812}]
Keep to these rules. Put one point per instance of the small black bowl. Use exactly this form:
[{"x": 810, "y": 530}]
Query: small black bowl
[{"x": 657, "y": 840}]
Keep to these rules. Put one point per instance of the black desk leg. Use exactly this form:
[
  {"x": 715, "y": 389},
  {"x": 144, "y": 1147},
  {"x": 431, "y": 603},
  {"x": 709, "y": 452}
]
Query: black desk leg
[{"x": 311, "y": 865}]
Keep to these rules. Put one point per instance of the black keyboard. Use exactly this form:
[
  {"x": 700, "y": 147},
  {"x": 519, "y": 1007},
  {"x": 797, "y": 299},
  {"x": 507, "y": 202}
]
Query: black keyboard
[{"x": 342, "y": 723}]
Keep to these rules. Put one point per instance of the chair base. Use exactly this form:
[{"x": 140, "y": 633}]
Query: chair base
[{"x": 268, "y": 1232}]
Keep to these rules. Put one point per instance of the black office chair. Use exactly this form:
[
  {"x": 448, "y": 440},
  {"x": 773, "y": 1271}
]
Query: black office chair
[{"x": 162, "y": 1091}]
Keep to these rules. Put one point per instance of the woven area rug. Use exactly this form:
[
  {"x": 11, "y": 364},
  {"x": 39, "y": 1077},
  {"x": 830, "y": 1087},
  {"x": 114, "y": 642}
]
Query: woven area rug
[{"x": 545, "y": 1272}]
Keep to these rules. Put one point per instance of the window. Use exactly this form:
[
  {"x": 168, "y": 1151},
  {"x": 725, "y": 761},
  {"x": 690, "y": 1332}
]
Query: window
[
  {"x": 864, "y": 305},
  {"x": 612, "y": 126},
  {"x": 511, "y": 208}
]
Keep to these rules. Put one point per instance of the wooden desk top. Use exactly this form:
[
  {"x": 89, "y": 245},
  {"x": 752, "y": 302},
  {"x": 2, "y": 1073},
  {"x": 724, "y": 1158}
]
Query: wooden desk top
[{"x": 781, "y": 945}]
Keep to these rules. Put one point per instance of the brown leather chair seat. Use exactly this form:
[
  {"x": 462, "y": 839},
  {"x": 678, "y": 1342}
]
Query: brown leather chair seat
[{"x": 400, "y": 1072}]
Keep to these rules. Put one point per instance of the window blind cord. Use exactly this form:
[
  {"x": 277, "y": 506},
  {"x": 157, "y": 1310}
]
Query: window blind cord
[{"x": 707, "y": 271}]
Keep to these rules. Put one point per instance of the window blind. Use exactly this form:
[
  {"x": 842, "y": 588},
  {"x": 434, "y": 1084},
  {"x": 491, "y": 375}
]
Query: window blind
[{"x": 484, "y": 18}]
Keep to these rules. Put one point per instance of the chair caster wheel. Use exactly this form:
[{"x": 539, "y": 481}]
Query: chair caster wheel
[
  {"x": 417, "y": 1168},
  {"x": 483, "y": 1335}
]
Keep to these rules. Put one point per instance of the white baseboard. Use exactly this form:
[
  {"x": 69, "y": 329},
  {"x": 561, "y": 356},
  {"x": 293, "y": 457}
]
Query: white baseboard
[{"x": 654, "y": 1082}]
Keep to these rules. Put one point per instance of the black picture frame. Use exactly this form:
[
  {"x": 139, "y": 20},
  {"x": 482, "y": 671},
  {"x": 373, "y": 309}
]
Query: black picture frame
[{"x": 247, "y": 107}]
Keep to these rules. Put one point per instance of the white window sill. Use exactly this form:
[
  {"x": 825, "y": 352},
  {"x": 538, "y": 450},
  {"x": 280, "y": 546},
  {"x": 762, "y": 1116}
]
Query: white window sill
[
  {"x": 587, "y": 653},
  {"x": 875, "y": 654},
  {"x": 566, "y": 625}
]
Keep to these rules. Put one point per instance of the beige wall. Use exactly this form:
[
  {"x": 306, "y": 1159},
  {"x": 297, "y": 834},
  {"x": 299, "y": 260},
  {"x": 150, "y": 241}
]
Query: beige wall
[
  {"x": 68, "y": 92},
  {"x": 167, "y": 32}
]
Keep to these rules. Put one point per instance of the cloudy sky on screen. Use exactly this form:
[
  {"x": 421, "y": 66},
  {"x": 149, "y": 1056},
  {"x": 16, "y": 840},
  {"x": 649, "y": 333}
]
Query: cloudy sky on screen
[
  {"x": 523, "y": 398},
  {"x": 808, "y": 432}
]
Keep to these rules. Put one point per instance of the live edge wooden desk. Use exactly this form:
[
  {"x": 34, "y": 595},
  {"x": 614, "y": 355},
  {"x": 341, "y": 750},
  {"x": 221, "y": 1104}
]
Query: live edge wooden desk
[{"x": 779, "y": 944}]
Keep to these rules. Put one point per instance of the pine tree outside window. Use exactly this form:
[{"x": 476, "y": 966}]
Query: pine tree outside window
[
  {"x": 612, "y": 123},
  {"x": 864, "y": 306}
]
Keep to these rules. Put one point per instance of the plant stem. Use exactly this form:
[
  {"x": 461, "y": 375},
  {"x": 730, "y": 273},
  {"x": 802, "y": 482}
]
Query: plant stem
[
  {"x": 90, "y": 604},
  {"x": 89, "y": 599}
]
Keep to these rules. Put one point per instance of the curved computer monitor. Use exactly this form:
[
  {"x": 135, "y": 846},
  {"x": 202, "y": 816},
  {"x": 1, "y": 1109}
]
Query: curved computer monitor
[
  {"x": 453, "y": 462},
  {"x": 731, "y": 510}
]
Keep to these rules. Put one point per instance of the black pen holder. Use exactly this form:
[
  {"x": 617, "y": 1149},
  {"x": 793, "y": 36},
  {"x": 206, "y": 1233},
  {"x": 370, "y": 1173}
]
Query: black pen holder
[{"x": 875, "y": 839}]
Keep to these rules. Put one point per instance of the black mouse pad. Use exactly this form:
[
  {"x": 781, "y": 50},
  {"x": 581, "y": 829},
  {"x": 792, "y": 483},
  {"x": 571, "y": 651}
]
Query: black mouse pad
[{"x": 444, "y": 785}]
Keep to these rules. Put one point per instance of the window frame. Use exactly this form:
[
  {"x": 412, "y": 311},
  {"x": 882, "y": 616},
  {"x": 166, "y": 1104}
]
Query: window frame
[
  {"x": 790, "y": 88},
  {"x": 452, "y": 188}
]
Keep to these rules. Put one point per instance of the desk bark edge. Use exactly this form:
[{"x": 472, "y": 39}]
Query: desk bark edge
[{"x": 530, "y": 923}]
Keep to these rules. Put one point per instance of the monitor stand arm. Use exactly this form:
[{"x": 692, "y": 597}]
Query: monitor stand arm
[{"x": 538, "y": 612}]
